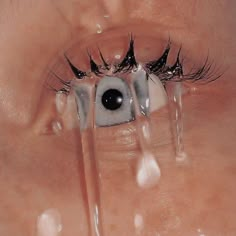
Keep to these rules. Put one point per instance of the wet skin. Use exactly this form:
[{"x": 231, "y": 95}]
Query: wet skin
[{"x": 40, "y": 171}]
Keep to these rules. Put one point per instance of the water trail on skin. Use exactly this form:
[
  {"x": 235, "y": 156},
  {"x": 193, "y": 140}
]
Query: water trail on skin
[
  {"x": 148, "y": 170},
  {"x": 84, "y": 93},
  {"x": 175, "y": 92}
]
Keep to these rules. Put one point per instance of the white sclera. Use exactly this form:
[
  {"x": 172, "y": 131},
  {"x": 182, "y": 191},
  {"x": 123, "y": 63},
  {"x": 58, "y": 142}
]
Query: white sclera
[
  {"x": 157, "y": 93},
  {"x": 150, "y": 93}
]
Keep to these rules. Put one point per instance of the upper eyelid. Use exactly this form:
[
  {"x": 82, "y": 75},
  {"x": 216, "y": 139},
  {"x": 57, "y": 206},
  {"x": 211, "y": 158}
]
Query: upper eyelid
[{"x": 205, "y": 72}]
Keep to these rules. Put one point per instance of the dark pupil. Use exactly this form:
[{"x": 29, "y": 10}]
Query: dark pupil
[{"x": 112, "y": 99}]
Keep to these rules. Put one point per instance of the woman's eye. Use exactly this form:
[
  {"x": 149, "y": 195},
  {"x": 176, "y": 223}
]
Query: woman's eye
[
  {"x": 114, "y": 103},
  {"x": 120, "y": 84}
]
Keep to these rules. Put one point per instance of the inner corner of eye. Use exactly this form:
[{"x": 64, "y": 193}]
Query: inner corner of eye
[{"x": 119, "y": 100}]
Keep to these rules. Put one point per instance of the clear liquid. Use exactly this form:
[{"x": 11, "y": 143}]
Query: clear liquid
[
  {"x": 148, "y": 170},
  {"x": 175, "y": 91},
  {"x": 99, "y": 28},
  {"x": 49, "y": 223},
  {"x": 84, "y": 93}
]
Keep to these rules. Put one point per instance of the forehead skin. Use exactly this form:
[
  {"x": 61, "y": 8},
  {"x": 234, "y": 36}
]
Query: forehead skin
[{"x": 34, "y": 174}]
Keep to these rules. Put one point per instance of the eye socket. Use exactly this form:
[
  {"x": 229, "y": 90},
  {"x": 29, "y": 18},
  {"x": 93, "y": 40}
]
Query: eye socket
[{"x": 113, "y": 102}]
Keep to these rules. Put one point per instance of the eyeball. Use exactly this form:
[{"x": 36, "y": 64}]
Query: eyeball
[{"x": 113, "y": 102}]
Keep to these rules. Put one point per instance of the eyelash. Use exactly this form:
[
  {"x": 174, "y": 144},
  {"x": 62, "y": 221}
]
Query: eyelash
[{"x": 206, "y": 73}]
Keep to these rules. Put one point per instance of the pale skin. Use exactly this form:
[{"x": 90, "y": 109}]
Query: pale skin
[{"x": 38, "y": 172}]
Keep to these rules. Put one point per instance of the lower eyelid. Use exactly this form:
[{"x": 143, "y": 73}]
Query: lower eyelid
[
  {"x": 118, "y": 140},
  {"x": 121, "y": 141}
]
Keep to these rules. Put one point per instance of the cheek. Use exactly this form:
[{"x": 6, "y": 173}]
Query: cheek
[
  {"x": 197, "y": 194},
  {"x": 43, "y": 172},
  {"x": 39, "y": 173}
]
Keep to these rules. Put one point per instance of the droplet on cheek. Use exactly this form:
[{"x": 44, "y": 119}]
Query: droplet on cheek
[
  {"x": 67, "y": 111},
  {"x": 99, "y": 28},
  {"x": 138, "y": 223},
  {"x": 148, "y": 171},
  {"x": 60, "y": 101},
  {"x": 49, "y": 223}
]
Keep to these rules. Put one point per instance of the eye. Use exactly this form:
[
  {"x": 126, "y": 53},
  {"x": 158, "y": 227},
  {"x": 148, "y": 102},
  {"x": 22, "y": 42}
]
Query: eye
[
  {"x": 118, "y": 84},
  {"x": 113, "y": 102}
]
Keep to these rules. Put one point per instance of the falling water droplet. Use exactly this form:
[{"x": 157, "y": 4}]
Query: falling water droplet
[
  {"x": 99, "y": 28},
  {"x": 175, "y": 92},
  {"x": 49, "y": 223},
  {"x": 84, "y": 94},
  {"x": 148, "y": 171},
  {"x": 177, "y": 95},
  {"x": 200, "y": 232},
  {"x": 117, "y": 56},
  {"x": 56, "y": 126}
]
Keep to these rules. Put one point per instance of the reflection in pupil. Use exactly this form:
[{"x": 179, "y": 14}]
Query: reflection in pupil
[{"x": 112, "y": 99}]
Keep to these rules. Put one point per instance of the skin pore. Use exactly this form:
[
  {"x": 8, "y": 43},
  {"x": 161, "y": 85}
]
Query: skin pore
[{"x": 41, "y": 171}]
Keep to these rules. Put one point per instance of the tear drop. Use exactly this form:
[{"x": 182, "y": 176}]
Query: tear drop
[
  {"x": 49, "y": 223},
  {"x": 148, "y": 171},
  {"x": 99, "y": 28}
]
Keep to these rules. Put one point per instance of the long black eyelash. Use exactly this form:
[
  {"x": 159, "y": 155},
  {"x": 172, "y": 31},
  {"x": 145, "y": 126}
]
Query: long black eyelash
[
  {"x": 64, "y": 90},
  {"x": 94, "y": 67},
  {"x": 77, "y": 72},
  {"x": 167, "y": 73},
  {"x": 177, "y": 68},
  {"x": 129, "y": 61},
  {"x": 157, "y": 66},
  {"x": 206, "y": 73},
  {"x": 66, "y": 85},
  {"x": 105, "y": 64}
]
